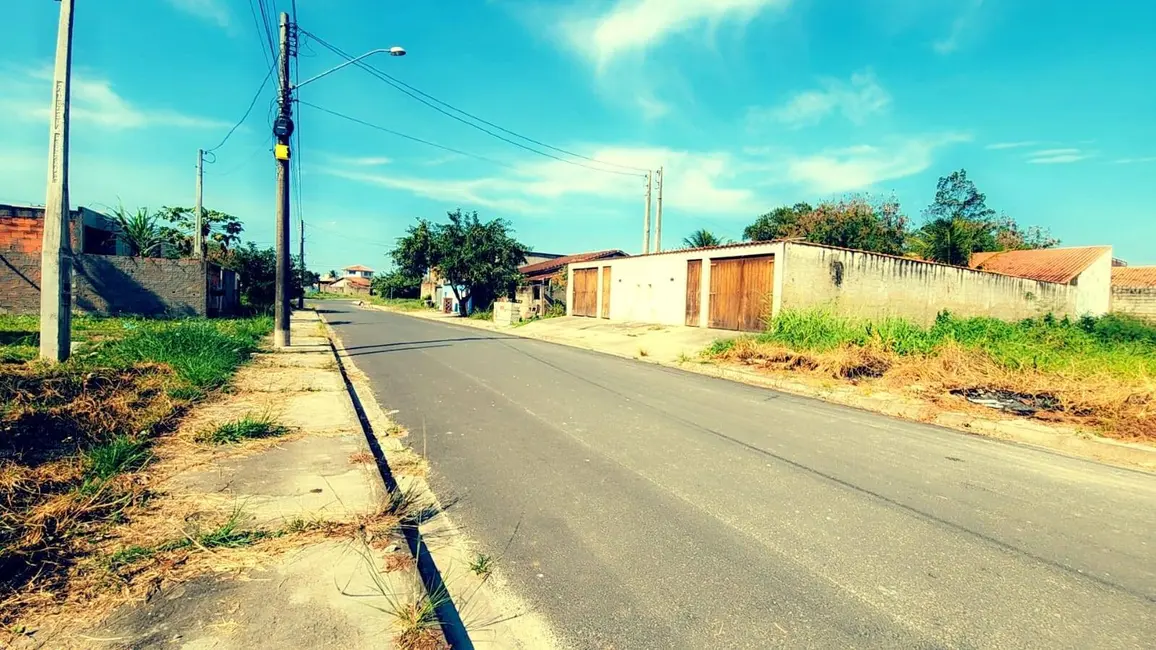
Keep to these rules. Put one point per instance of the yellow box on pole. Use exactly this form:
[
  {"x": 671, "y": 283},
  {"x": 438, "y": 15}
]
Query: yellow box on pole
[{"x": 281, "y": 151}]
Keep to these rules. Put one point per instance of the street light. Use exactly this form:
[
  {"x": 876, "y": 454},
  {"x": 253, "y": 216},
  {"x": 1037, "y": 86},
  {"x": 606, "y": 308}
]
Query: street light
[{"x": 392, "y": 51}]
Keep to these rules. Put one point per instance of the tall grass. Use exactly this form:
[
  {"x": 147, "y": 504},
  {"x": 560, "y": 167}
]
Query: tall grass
[{"x": 1116, "y": 344}]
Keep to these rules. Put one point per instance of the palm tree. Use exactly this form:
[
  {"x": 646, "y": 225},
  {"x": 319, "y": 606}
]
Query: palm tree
[
  {"x": 140, "y": 230},
  {"x": 947, "y": 240},
  {"x": 702, "y": 238}
]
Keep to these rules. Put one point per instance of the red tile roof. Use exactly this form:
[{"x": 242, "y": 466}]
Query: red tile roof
[
  {"x": 357, "y": 267},
  {"x": 1134, "y": 276},
  {"x": 542, "y": 269},
  {"x": 1060, "y": 265},
  {"x": 354, "y": 280}
]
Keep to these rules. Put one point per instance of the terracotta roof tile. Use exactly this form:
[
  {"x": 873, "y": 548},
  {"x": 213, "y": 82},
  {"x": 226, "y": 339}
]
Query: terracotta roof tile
[
  {"x": 1060, "y": 265},
  {"x": 357, "y": 267},
  {"x": 1134, "y": 276},
  {"x": 539, "y": 269}
]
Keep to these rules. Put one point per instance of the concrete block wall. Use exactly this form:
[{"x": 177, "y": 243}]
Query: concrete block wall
[
  {"x": 109, "y": 285},
  {"x": 1136, "y": 301},
  {"x": 869, "y": 285}
]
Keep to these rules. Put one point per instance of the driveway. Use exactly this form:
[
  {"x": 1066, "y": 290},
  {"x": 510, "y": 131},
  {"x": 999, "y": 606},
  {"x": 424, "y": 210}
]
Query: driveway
[{"x": 637, "y": 506}]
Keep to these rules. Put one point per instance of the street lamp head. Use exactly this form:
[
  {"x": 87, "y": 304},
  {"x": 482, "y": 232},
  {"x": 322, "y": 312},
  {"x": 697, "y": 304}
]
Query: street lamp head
[{"x": 397, "y": 51}]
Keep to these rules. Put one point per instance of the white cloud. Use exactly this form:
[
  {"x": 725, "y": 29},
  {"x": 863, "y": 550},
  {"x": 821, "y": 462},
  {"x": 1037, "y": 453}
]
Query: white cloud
[
  {"x": 1130, "y": 161},
  {"x": 213, "y": 11},
  {"x": 635, "y": 26},
  {"x": 1012, "y": 145},
  {"x": 94, "y": 102},
  {"x": 857, "y": 99},
  {"x": 861, "y": 166},
  {"x": 963, "y": 22},
  {"x": 652, "y": 108},
  {"x": 362, "y": 161},
  {"x": 1057, "y": 156}
]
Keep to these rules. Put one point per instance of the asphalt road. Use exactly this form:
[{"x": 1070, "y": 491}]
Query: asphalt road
[{"x": 646, "y": 507}]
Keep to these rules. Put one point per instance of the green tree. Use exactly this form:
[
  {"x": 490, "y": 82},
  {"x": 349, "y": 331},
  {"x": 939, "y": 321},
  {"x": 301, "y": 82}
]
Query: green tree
[
  {"x": 779, "y": 223},
  {"x": 857, "y": 221},
  {"x": 701, "y": 239},
  {"x": 257, "y": 275},
  {"x": 331, "y": 273},
  {"x": 395, "y": 284},
  {"x": 140, "y": 229},
  {"x": 479, "y": 260},
  {"x": 221, "y": 231}
]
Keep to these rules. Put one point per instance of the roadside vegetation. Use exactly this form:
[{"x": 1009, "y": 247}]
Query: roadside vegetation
[
  {"x": 401, "y": 304},
  {"x": 73, "y": 435},
  {"x": 1099, "y": 371}
]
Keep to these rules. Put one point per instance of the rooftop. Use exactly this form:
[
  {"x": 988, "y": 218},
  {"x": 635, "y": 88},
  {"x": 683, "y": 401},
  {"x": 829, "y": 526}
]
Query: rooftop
[
  {"x": 541, "y": 269},
  {"x": 1134, "y": 276},
  {"x": 358, "y": 267},
  {"x": 1059, "y": 265}
]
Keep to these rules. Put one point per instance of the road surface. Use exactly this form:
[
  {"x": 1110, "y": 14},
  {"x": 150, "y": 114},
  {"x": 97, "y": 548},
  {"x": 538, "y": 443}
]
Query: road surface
[{"x": 637, "y": 506}]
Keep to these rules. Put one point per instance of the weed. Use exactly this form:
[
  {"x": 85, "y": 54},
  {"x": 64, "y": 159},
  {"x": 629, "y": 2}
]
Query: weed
[
  {"x": 482, "y": 564},
  {"x": 361, "y": 458},
  {"x": 683, "y": 357},
  {"x": 396, "y": 431},
  {"x": 400, "y": 304},
  {"x": 482, "y": 314},
  {"x": 401, "y": 561},
  {"x": 230, "y": 534},
  {"x": 643, "y": 352},
  {"x": 121, "y": 454},
  {"x": 129, "y": 555},
  {"x": 246, "y": 428}
]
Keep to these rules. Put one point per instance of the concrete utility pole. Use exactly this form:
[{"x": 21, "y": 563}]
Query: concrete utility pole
[
  {"x": 198, "y": 221},
  {"x": 646, "y": 221},
  {"x": 658, "y": 217},
  {"x": 301, "y": 253},
  {"x": 56, "y": 246},
  {"x": 283, "y": 129}
]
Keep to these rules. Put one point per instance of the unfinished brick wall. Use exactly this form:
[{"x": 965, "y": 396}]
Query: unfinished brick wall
[
  {"x": 22, "y": 229},
  {"x": 109, "y": 284},
  {"x": 1137, "y": 301}
]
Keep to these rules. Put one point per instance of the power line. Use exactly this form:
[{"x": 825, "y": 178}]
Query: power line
[
  {"x": 260, "y": 39},
  {"x": 244, "y": 117},
  {"x": 406, "y": 136},
  {"x": 267, "y": 23},
  {"x": 389, "y": 81}
]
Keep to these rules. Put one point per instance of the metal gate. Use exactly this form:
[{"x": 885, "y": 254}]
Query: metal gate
[
  {"x": 693, "y": 291},
  {"x": 741, "y": 291},
  {"x": 585, "y": 293}
]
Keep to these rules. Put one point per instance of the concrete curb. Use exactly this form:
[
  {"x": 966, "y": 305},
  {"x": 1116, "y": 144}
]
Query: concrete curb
[{"x": 1019, "y": 431}]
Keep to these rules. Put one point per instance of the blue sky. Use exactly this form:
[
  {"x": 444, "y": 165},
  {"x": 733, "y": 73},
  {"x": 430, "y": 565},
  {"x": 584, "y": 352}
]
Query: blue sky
[{"x": 748, "y": 104}]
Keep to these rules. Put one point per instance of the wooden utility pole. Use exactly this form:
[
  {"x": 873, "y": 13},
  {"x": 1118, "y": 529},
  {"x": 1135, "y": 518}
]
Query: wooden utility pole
[
  {"x": 646, "y": 220},
  {"x": 283, "y": 129},
  {"x": 658, "y": 216},
  {"x": 56, "y": 246},
  {"x": 198, "y": 220}
]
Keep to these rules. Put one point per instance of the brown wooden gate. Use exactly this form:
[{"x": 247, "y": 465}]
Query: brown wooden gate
[
  {"x": 585, "y": 293},
  {"x": 740, "y": 292},
  {"x": 693, "y": 291},
  {"x": 606, "y": 292}
]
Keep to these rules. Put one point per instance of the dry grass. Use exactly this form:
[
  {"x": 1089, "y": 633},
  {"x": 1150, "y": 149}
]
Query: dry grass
[
  {"x": 361, "y": 458},
  {"x": 399, "y": 562},
  {"x": 1123, "y": 408}
]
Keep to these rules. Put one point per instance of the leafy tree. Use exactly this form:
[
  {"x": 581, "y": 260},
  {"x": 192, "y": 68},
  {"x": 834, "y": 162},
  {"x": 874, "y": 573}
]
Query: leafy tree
[
  {"x": 141, "y": 230},
  {"x": 221, "y": 231},
  {"x": 779, "y": 223},
  {"x": 701, "y": 239},
  {"x": 257, "y": 274},
  {"x": 479, "y": 260},
  {"x": 331, "y": 273},
  {"x": 395, "y": 284},
  {"x": 854, "y": 222},
  {"x": 959, "y": 222}
]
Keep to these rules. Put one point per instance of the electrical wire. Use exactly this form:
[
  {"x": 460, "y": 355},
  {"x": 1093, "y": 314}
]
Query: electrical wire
[
  {"x": 389, "y": 81},
  {"x": 261, "y": 41},
  {"x": 406, "y": 136},
  {"x": 249, "y": 110},
  {"x": 267, "y": 24}
]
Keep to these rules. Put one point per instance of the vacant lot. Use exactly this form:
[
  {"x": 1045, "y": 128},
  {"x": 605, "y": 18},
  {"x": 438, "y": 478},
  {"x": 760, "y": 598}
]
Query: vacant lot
[
  {"x": 1099, "y": 372},
  {"x": 74, "y": 436}
]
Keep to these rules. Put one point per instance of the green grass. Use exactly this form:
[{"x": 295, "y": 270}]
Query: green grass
[
  {"x": 402, "y": 304},
  {"x": 121, "y": 454},
  {"x": 482, "y": 564},
  {"x": 482, "y": 314},
  {"x": 129, "y": 555},
  {"x": 1120, "y": 345},
  {"x": 246, "y": 428}
]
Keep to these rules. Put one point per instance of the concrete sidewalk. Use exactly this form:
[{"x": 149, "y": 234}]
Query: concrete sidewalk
[{"x": 310, "y": 583}]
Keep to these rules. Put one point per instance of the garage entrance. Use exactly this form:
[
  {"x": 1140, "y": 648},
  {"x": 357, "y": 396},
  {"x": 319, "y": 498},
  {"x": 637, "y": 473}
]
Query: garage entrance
[
  {"x": 585, "y": 293},
  {"x": 741, "y": 291}
]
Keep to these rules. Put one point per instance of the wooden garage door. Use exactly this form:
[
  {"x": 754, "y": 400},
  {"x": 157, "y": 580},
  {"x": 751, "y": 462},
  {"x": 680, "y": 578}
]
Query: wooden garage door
[
  {"x": 606, "y": 292},
  {"x": 693, "y": 291},
  {"x": 585, "y": 292},
  {"x": 740, "y": 292}
]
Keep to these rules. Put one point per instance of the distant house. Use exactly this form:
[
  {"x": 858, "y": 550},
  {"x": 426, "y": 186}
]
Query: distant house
[
  {"x": 1087, "y": 268},
  {"x": 540, "y": 290},
  {"x": 351, "y": 284},
  {"x": 1134, "y": 291},
  {"x": 325, "y": 283},
  {"x": 358, "y": 271}
]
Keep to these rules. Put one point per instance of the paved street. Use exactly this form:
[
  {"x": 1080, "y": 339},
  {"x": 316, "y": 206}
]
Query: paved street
[{"x": 645, "y": 507}]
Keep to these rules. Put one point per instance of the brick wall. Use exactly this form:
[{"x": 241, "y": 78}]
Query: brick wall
[
  {"x": 109, "y": 284},
  {"x": 1138, "y": 301},
  {"x": 22, "y": 229}
]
